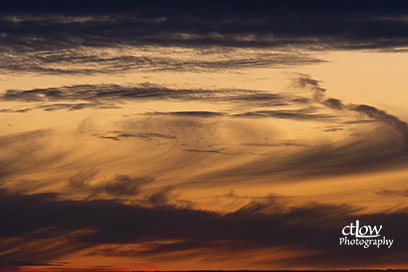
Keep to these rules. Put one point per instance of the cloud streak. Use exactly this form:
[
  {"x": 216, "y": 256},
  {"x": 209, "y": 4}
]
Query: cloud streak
[
  {"x": 91, "y": 61},
  {"x": 105, "y": 96},
  {"x": 227, "y": 132},
  {"x": 305, "y": 81}
]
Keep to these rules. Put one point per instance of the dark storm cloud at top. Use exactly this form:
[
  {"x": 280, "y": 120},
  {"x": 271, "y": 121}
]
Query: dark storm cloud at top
[
  {"x": 74, "y": 37},
  {"x": 316, "y": 25}
]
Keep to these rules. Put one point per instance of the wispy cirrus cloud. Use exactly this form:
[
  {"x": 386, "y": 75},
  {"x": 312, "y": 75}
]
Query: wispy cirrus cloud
[
  {"x": 91, "y": 61},
  {"x": 102, "y": 96},
  {"x": 319, "y": 95},
  {"x": 393, "y": 193},
  {"x": 368, "y": 147}
]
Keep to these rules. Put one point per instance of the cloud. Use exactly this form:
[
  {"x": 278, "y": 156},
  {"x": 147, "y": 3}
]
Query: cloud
[
  {"x": 27, "y": 151},
  {"x": 120, "y": 186},
  {"x": 76, "y": 40},
  {"x": 367, "y": 147},
  {"x": 375, "y": 141},
  {"x": 102, "y": 96},
  {"x": 18, "y": 266},
  {"x": 142, "y": 91},
  {"x": 105, "y": 92},
  {"x": 393, "y": 193},
  {"x": 205, "y": 151},
  {"x": 191, "y": 113},
  {"x": 261, "y": 224},
  {"x": 5, "y": 264},
  {"x": 16, "y": 110},
  {"x": 366, "y": 152},
  {"x": 384, "y": 117},
  {"x": 322, "y": 25},
  {"x": 124, "y": 186},
  {"x": 288, "y": 114},
  {"x": 159, "y": 198},
  {"x": 120, "y": 135},
  {"x": 306, "y": 82},
  {"x": 85, "y": 61}
]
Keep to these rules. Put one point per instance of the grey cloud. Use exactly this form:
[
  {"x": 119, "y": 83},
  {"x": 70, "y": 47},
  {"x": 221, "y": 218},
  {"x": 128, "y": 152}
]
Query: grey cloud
[
  {"x": 360, "y": 121},
  {"x": 78, "y": 97},
  {"x": 262, "y": 224},
  {"x": 19, "y": 264},
  {"x": 334, "y": 103},
  {"x": 393, "y": 193},
  {"x": 74, "y": 106},
  {"x": 159, "y": 198},
  {"x": 384, "y": 117},
  {"x": 139, "y": 91},
  {"x": 306, "y": 82},
  {"x": 16, "y": 110},
  {"x": 295, "y": 23},
  {"x": 120, "y": 186},
  {"x": 191, "y": 113},
  {"x": 48, "y": 39},
  {"x": 203, "y": 150},
  {"x": 369, "y": 152},
  {"x": 333, "y": 129},
  {"x": 125, "y": 186},
  {"x": 24, "y": 152},
  {"x": 119, "y": 135},
  {"x": 82, "y": 179},
  {"x": 102, "y": 92},
  {"x": 88, "y": 62},
  {"x": 280, "y": 143},
  {"x": 288, "y": 114}
]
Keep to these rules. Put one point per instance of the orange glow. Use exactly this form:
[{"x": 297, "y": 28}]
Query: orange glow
[{"x": 161, "y": 138}]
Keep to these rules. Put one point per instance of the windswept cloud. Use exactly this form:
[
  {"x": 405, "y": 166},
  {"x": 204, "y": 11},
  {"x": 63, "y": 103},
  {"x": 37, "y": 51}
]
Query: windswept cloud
[
  {"x": 261, "y": 224},
  {"x": 120, "y": 186},
  {"x": 110, "y": 96},
  {"x": 120, "y": 135},
  {"x": 305, "y": 81},
  {"x": 96, "y": 60},
  {"x": 324, "y": 25},
  {"x": 393, "y": 193},
  {"x": 367, "y": 146},
  {"x": 191, "y": 113},
  {"x": 120, "y": 38},
  {"x": 19, "y": 264},
  {"x": 27, "y": 151},
  {"x": 123, "y": 186},
  {"x": 386, "y": 118},
  {"x": 376, "y": 143},
  {"x": 301, "y": 114},
  {"x": 143, "y": 91}
]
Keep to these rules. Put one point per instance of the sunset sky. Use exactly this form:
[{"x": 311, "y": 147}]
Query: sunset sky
[{"x": 178, "y": 135}]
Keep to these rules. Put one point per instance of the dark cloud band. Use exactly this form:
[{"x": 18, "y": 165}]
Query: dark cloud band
[
  {"x": 317, "y": 25},
  {"x": 265, "y": 223}
]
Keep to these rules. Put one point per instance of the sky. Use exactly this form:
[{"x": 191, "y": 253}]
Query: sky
[{"x": 188, "y": 135}]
